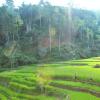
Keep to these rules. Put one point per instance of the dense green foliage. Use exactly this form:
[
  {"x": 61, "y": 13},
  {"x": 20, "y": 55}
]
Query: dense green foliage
[
  {"x": 36, "y": 37},
  {"x": 38, "y": 33}
]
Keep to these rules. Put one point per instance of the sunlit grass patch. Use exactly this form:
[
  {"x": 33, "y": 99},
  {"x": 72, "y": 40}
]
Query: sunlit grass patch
[{"x": 34, "y": 82}]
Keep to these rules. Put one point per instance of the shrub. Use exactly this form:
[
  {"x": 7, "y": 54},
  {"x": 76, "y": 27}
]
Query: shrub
[{"x": 97, "y": 66}]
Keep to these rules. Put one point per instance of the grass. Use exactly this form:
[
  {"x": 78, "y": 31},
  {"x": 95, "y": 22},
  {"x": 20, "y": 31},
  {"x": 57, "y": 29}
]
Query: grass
[
  {"x": 25, "y": 83},
  {"x": 77, "y": 84},
  {"x": 73, "y": 95}
]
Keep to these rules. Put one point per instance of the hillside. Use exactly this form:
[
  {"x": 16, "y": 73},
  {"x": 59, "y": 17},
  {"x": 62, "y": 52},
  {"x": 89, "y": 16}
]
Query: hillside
[
  {"x": 68, "y": 80},
  {"x": 45, "y": 33}
]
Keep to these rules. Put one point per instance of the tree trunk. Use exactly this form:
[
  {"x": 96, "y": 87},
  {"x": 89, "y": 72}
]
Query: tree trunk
[
  {"x": 8, "y": 38},
  {"x": 28, "y": 27},
  {"x": 50, "y": 39},
  {"x": 40, "y": 20},
  {"x": 59, "y": 44}
]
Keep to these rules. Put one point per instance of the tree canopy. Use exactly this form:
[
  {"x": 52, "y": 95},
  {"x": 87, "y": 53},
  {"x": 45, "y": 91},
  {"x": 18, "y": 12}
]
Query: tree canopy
[{"x": 42, "y": 32}]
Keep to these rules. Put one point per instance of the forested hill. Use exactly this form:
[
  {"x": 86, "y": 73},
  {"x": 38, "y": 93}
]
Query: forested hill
[{"x": 33, "y": 33}]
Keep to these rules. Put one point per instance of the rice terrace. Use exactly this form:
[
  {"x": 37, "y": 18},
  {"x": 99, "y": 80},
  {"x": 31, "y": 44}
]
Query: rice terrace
[
  {"x": 69, "y": 80},
  {"x": 49, "y": 49}
]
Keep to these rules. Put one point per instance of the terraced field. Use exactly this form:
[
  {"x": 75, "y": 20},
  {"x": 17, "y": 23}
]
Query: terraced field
[{"x": 71, "y": 80}]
